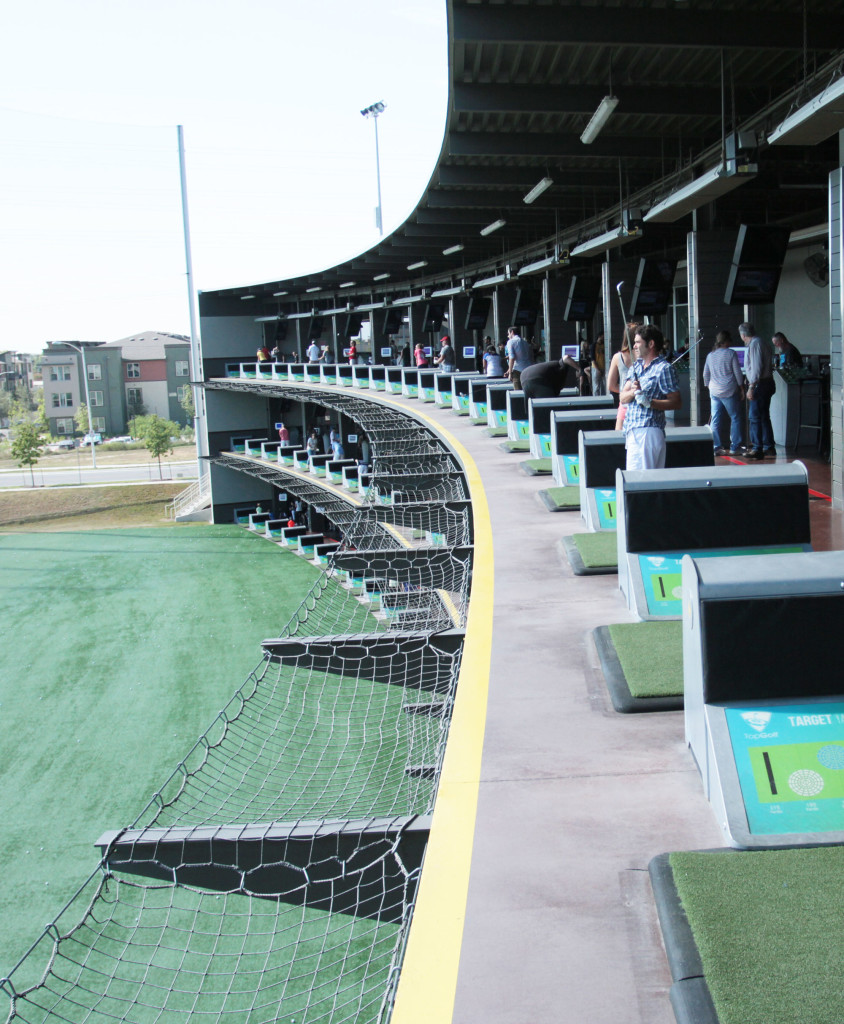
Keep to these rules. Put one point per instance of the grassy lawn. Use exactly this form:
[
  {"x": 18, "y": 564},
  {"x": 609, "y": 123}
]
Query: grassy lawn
[
  {"x": 85, "y": 508},
  {"x": 82, "y": 456},
  {"x": 120, "y": 646}
]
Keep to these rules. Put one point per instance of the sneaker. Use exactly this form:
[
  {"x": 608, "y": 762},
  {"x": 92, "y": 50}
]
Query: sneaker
[
  {"x": 754, "y": 453},
  {"x": 770, "y": 452},
  {"x": 736, "y": 452},
  {"x": 720, "y": 451}
]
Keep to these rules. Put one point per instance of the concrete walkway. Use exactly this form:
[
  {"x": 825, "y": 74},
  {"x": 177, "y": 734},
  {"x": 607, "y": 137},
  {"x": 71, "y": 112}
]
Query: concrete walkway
[{"x": 574, "y": 799}]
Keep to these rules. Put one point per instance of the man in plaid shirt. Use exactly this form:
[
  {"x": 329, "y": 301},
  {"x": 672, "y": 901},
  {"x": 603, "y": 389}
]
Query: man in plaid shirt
[{"x": 651, "y": 389}]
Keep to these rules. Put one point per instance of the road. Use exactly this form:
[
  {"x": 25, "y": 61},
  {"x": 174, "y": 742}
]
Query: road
[{"x": 140, "y": 472}]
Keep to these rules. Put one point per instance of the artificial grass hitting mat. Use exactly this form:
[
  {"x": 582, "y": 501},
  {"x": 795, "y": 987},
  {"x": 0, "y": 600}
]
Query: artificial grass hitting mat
[
  {"x": 536, "y": 467},
  {"x": 592, "y": 554},
  {"x": 122, "y": 646},
  {"x": 642, "y": 664},
  {"x": 561, "y": 499},
  {"x": 496, "y": 431},
  {"x": 515, "y": 446},
  {"x": 759, "y": 932}
]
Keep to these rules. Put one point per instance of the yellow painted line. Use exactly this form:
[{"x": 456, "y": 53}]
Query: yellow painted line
[
  {"x": 428, "y": 978},
  {"x": 391, "y": 529},
  {"x": 450, "y": 607}
]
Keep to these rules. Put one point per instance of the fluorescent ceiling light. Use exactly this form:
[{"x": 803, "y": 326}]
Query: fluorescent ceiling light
[
  {"x": 698, "y": 192},
  {"x": 496, "y": 224},
  {"x": 380, "y": 277},
  {"x": 418, "y": 265},
  {"x": 452, "y": 249},
  {"x": 599, "y": 119},
  {"x": 348, "y": 284},
  {"x": 442, "y": 293},
  {"x": 538, "y": 189},
  {"x": 316, "y": 288},
  {"x": 814, "y": 121},
  {"x": 533, "y": 268},
  {"x": 608, "y": 240},
  {"x": 485, "y": 282},
  {"x": 277, "y": 295},
  {"x": 266, "y": 319},
  {"x": 243, "y": 298}
]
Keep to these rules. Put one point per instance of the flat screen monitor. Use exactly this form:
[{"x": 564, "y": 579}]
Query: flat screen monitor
[
  {"x": 526, "y": 308},
  {"x": 753, "y": 285},
  {"x": 315, "y": 328},
  {"x": 582, "y": 298},
  {"x": 477, "y": 314},
  {"x": 741, "y": 352},
  {"x": 281, "y": 330},
  {"x": 434, "y": 316},
  {"x": 350, "y": 325},
  {"x": 393, "y": 320}
]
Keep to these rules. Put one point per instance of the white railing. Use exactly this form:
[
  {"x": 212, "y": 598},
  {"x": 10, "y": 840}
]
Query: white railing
[{"x": 192, "y": 498}]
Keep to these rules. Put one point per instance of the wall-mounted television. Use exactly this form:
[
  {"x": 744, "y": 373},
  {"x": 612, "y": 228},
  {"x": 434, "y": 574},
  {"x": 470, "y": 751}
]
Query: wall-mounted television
[
  {"x": 654, "y": 283},
  {"x": 526, "y": 308},
  {"x": 393, "y": 320},
  {"x": 350, "y": 325},
  {"x": 477, "y": 314},
  {"x": 280, "y": 330},
  {"x": 582, "y": 298},
  {"x": 757, "y": 264},
  {"x": 434, "y": 316},
  {"x": 315, "y": 328}
]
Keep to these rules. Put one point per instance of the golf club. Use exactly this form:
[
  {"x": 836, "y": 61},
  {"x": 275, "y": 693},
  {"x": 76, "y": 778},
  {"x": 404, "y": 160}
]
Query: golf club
[
  {"x": 618, "y": 288},
  {"x": 689, "y": 349}
]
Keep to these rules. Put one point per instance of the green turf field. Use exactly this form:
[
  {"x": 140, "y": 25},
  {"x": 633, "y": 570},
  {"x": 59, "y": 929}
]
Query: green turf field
[
  {"x": 120, "y": 646},
  {"x": 768, "y": 928}
]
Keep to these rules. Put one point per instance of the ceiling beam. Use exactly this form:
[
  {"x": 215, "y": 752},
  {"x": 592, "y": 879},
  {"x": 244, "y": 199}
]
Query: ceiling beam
[
  {"x": 640, "y": 27},
  {"x": 654, "y": 101},
  {"x": 550, "y": 144}
]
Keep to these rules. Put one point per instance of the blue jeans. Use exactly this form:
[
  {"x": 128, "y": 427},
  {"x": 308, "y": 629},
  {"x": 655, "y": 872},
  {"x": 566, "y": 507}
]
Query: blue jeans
[
  {"x": 726, "y": 406},
  {"x": 761, "y": 431}
]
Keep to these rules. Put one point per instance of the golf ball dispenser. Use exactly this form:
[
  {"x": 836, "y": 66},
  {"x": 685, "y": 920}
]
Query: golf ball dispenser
[
  {"x": 517, "y": 416},
  {"x": 664, "y": 514},
  {"x": 602, "y": 453},
  {"x": 539, "y": 417},
  {"x": 764, "y": 721},
  {"x": 565, "y": 428}
]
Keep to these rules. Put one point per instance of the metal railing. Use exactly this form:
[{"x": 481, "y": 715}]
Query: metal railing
[{"x": 191, "y": 498}]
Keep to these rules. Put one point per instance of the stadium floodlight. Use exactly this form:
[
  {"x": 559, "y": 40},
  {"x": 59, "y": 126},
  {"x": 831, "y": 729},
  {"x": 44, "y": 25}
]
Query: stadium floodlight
[
  {"x": 538, "y": 189},
  {"x": 373, "y": 110},
  {"x": 599, "y": 119},
  {"x": 496, "y": 224}
]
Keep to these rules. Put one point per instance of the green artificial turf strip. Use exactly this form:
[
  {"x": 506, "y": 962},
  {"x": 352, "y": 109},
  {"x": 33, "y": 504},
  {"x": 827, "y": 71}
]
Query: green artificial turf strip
[
  {"x": 516, "y": 446},
  {"x": 121, "y": 647},
  {"x": 768, "y": 928},
  {"x": 651, "y": 656},
  {"x": 597, "y": 549},
  {"x": 479, "y": 421},
  {"x": 537, "y": 467},
  {"x": 564, "y": 497},
  {"x": 496, "y": 431}
]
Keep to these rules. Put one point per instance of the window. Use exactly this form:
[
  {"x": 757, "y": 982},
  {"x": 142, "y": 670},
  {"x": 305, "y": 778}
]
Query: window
[
  {"x": 134, "y": 396},
  {"x": 133, "y": 369},
  {"x": 95, "y": 372},
  {"x": 62, "y": 399},
  {"x": 64, "y": 426},
  {"x": 98, "y": 423},
  {"x": 182, "y": 392},
  {"x": 59, "y": 373},
  {"x": 182, "y": 368},
  {"x": 96, "y": 397}
]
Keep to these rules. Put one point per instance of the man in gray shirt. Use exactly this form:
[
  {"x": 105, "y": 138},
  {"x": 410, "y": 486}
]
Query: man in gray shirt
[{"x": 758, "y": 368}]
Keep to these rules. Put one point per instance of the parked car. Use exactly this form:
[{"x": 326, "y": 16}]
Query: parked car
[
  {"x": 66, "y": 444},
  {"x": 89, "y": 438},
  {"x": 125, "y": 439}
]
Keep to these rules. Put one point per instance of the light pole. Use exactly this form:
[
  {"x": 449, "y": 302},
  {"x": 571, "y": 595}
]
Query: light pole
[
  {"x": 373, "y": 111},
  {"x": 81, "y": 350}
]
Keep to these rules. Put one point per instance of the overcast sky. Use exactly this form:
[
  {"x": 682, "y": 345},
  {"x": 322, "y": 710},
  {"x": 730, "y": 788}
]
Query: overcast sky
[{"x": 280, "y": 163}]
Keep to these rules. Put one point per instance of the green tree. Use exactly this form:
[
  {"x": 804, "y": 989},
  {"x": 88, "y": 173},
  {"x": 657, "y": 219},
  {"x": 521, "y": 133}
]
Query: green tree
[
  {"x": 81, "y": 419},
  {"x": 186, "y": 402},
  {"x": 156, "y": 434},
  {"x": 27, "y": 446}
]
